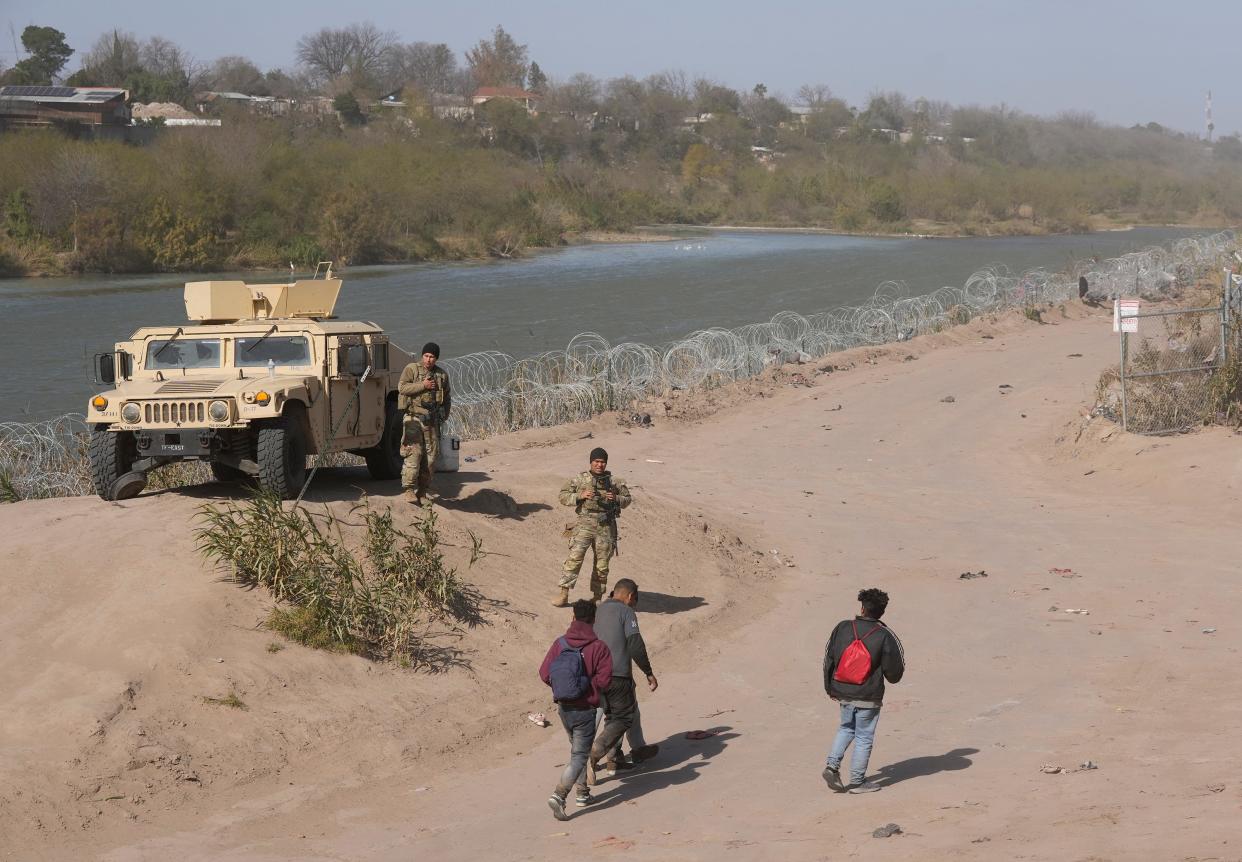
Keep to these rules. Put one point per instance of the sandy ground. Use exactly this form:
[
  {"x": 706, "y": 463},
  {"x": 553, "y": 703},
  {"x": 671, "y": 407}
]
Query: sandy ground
[{"x": 111, "y": 631}]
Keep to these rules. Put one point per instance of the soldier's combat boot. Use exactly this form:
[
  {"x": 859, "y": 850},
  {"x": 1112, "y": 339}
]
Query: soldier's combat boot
[
  {"x": 562, "y": 600},
  {"x": 597, "y": 594},
  {"x": 411, "y": 496}
]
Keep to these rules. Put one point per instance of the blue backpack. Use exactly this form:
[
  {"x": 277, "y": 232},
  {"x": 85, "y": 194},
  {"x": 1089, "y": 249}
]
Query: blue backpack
[{"x": 568, "y": 674}]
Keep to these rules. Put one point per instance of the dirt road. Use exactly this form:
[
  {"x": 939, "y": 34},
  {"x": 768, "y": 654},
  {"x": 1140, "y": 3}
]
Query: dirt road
[{"x": 869, "y": 477}]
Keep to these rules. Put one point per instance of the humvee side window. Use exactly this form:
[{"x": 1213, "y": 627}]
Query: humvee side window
[
  {"x": 183, "y": 353},
  {"x": 256, "y": 350},
  {"x": 353, "y": 359}
]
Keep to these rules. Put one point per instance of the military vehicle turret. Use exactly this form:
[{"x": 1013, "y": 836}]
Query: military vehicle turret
[{"x": 262, "y": 377}]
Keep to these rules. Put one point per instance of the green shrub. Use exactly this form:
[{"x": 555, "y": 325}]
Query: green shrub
[{"x": 363, "y": 588}]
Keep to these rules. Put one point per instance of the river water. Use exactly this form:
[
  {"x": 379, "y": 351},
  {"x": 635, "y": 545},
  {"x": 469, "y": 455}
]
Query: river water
[{"x": 651, "y": 292}]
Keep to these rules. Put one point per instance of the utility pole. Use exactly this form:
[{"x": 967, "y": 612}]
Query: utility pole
[{"x": 1208, "y": 112}]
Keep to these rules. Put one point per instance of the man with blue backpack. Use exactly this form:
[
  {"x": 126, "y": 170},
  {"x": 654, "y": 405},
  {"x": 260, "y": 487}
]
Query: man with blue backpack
[
  {"x": 578, "y": 668},
  {"x": 860, "y": 655}
]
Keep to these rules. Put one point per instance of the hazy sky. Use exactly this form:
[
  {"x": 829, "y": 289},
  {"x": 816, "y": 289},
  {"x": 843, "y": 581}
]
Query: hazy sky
[{"x": 1127, "y": 62}]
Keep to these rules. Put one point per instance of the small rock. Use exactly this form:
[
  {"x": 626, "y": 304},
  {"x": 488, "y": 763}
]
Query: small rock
[
  {"x": 1209, "y": 631},
  {"x": 1216, "y": 788},
  {"x": 967, "y": 576},
  {"x": 1088, "y": 764},
  {"x": 948, "y": 399},
  {"x": 888, "y": 830},
  {"x": 1049, "y": 769},
  {"x": 1004, "y": 386}
]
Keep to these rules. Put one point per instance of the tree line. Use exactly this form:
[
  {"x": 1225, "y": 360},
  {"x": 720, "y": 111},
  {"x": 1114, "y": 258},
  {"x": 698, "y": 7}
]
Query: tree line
[{"x": 383, "y": 184}]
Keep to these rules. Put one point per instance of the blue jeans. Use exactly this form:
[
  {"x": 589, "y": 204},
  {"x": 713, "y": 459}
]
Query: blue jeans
[
  {"x": 857, "y": 726},
  {"x": 579, "y": 725}
]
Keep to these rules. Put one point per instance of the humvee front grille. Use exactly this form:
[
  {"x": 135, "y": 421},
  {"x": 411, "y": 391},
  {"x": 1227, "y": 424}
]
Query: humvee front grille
[
  {"x": 174, "y": 412},
  {"x": 189, "y": 386}
]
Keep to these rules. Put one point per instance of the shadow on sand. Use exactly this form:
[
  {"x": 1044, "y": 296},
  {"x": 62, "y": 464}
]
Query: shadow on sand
[
  {"x": 678, "y": 762},
  {"x": 662, "y": 603},
  {"x": 920, "y": 767}
]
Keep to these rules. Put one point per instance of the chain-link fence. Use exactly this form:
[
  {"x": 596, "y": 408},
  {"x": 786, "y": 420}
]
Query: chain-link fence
[{"x": 1169, "y": 376}]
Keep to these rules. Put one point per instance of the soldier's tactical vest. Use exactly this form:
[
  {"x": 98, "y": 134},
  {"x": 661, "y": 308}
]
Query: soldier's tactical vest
[
  {"x": 592, "y": 506},
  {"x": 428, "y": 402}
]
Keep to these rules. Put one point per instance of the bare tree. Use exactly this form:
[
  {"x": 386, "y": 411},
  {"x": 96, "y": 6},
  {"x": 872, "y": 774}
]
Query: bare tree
[
  {"x": 112, "y": 58},
  {"x": 579, "y": 95},
  {"x": 814, "y": 95},
  {"x": 359, "y": 50},
  {"x": 431, "y": 67},
  {"x": 498, "y": 62},
  {"x": 238, "y": 75}
]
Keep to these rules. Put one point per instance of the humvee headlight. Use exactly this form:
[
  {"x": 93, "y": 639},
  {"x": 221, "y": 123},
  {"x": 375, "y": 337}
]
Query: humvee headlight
[
  {"x": 99, "y": 403},
  {"x": 218, "y": 411},
  {"x": 131, "y": 413},
  {"x": 262, "y": 398}
]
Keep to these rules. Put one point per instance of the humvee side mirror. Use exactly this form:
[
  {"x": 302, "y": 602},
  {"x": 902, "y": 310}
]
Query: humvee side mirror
[{"x": 105, "y": 368}]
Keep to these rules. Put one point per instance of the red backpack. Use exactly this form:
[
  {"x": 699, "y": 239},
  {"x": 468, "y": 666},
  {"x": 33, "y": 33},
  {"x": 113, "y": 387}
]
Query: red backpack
[{"x": 855, "y": 664}]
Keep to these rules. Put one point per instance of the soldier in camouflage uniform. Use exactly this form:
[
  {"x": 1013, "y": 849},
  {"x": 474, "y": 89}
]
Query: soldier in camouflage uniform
[
  {"x": 423, "y": 395},
  {"x": 598, "y": 497}
]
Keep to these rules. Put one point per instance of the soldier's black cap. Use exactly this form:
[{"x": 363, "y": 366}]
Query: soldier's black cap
[
  {"x": 432, "y": 348},
  {"x": 599, "y": 453}
]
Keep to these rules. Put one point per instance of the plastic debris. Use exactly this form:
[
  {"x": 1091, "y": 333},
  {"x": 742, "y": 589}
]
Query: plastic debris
[
  {"x": 1083, "y": 611},
  {"x": 470, "y": 459},
  {"x": 538, "y": 718},
  {"x": 1088, "y": 764},
  {"x": 701, "y": 734},
  {"x": 888, "y": 830},
  {"x": 1049, "y": 769},
  {"x": 1209, "y": 631},
  {"x": 948, "y": 399},
  {"x": 967, "y": 576}
]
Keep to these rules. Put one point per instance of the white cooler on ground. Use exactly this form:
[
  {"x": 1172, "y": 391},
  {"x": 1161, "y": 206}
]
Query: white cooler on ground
[{"x": 448, "y": 459}]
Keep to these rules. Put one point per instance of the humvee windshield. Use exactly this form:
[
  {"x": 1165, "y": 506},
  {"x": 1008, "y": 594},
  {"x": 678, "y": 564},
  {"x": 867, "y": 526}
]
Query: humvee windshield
[
  {"x": 184, "y": 353},
  {"x": 283, "y": 349}
]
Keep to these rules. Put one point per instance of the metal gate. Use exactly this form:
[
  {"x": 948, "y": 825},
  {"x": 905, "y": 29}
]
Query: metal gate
[{"x": 1168, "y": 366}]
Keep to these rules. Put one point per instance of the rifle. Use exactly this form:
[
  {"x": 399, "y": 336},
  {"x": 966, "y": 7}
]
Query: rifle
[{"x": 601, "y": 485}]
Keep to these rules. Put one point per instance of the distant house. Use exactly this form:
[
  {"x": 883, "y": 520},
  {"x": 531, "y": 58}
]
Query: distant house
[
  {"x": 528, "y": 100},
  {"x": 449, "y": 106},
  {"x": 211, "y": 101},
  {"x": 90, "y": 107}
]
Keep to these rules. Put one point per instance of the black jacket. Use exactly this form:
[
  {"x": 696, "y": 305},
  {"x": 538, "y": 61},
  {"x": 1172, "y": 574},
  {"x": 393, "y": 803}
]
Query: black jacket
[{"x": 887, "y": 659}]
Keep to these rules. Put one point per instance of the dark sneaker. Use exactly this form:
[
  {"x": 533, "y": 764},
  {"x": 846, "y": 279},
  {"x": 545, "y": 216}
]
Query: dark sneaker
[
  {"x": 584, "y": 799},
  {"x": 557, "y": 804},
  {"x": 832, "y": 777},
  {"x": 645, "y": 752},
  {"x": 864, "y": 787},
  {"x": 619, "y": 764}
]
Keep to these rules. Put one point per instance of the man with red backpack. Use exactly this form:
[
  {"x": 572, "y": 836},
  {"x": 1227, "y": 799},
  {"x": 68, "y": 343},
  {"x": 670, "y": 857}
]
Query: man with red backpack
[
  {"x": 859, "y": 656},
  {"x": 578, "y": 667}
]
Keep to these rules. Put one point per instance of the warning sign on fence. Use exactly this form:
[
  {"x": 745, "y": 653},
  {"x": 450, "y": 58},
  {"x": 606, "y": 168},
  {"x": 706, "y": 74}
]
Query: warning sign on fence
[{"x": 1125, "y": 315}]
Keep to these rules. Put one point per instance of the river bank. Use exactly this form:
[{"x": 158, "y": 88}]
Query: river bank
[
  {"x": 43, "y": 264},
  {"x": 331, "y": 756}
]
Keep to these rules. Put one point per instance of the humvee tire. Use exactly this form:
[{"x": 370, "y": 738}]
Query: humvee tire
[
  {"x": 225, "y": 473},
  {"x": 110, "y": 454},
  {"x": 385, "y": 461},
  {"x": 282, "y": 454}
]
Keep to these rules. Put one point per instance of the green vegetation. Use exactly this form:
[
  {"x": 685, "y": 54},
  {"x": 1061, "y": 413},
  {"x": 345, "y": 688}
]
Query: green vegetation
[
  {"x": 430, "y": 177},
  {"x": 362, "y": 586}
]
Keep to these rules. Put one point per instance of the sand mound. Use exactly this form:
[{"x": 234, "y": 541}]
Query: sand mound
[{"x": 123, "y": 652}]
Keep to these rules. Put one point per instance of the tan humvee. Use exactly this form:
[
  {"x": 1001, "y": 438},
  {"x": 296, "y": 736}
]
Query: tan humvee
[{"x": 261, "y": 378}]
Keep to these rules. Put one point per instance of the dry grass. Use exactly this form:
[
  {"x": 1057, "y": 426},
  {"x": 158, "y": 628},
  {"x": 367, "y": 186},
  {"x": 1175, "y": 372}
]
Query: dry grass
[
  {"x": 230, "y": 700},
  {"x": 361, "y": 584}
]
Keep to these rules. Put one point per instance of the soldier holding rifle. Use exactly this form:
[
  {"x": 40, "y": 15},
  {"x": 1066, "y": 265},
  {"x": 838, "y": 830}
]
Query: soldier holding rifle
[
  {"x": 598, "y": 498},
  {"x": 423, "y": 395}
]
